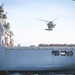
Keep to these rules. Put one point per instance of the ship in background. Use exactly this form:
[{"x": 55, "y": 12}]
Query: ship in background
[{"x": 32, "y": 59}]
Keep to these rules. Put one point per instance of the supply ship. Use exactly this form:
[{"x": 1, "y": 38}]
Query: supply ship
[{"x": 32, "y": 59}]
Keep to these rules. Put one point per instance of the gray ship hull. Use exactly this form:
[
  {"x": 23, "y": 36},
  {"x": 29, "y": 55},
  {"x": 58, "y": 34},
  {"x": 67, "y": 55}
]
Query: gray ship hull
[{"x": 36, "y": 59}]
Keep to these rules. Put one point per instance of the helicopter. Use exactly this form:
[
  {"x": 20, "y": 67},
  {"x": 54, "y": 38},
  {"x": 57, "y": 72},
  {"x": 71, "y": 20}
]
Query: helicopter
[{"x": 50, "y": 24}]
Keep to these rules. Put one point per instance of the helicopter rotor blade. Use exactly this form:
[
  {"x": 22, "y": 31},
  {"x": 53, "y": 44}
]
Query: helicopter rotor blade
[
  {"x": 43, "y": 20},
  {"x": 55, "y": 19}
]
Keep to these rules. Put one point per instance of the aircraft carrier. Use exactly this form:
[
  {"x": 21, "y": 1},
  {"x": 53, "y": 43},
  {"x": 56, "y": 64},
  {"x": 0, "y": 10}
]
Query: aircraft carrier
[{"x": 43, "y": 59}]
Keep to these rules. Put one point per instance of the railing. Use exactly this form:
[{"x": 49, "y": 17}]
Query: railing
[
  {"x": 40, "y": 48},
  {"x": 56, "y": 45}
]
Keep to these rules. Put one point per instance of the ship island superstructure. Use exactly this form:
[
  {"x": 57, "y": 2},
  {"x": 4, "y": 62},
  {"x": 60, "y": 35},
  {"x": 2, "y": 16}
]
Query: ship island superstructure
[{"x": 6, "y": 35}]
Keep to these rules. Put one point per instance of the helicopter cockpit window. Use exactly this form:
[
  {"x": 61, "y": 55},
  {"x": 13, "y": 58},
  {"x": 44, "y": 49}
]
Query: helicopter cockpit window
[{"x": 55, "y": 53}]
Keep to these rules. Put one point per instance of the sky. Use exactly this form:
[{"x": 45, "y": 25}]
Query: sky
[{"x": 23, "y": 17}]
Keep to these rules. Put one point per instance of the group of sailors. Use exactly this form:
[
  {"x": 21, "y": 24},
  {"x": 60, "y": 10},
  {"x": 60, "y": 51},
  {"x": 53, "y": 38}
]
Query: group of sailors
[{"x": 60, "y": 45}]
